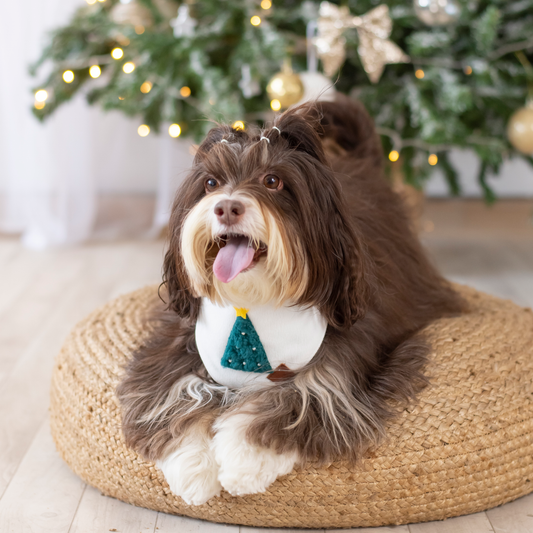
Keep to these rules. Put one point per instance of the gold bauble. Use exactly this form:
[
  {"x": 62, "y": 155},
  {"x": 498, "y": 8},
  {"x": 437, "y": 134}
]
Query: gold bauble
[
  {"x": 286, "y": 87},
  {"x": 133, "y": 14},
  {"x": 520, "y": 129}
]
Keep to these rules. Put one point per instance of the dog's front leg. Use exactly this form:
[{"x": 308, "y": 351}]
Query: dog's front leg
[
  {"x": 245, "y": 468},
  {"x": 189, "y": 465}
]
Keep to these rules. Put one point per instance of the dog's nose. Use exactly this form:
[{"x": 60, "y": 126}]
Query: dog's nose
[{"x": 229, "y": 212}]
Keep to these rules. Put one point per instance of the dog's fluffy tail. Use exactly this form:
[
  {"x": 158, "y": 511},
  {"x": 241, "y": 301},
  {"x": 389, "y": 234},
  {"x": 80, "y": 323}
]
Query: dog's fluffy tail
[{"x": 346, "y": 123}]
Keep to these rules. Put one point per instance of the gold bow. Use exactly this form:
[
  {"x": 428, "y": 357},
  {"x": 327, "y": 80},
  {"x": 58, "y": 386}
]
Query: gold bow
[{"x": 375, "y": 49}]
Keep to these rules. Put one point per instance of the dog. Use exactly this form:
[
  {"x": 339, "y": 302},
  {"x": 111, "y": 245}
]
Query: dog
[{"x": 293, "y": 232}]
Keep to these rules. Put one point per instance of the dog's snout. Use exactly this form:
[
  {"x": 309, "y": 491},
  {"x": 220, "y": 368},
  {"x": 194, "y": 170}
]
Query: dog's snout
[{"x": 229, "y": 212}]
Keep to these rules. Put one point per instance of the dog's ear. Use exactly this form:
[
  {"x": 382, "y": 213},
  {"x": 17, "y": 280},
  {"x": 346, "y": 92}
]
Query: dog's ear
[
  {"x": 179, "y": 297},
  {"x": 300, "y": 127},
  {"x": 346, "y": 285}
]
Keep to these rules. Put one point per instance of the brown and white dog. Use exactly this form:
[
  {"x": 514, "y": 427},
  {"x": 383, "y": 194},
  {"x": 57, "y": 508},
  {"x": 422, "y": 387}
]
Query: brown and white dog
[{"x": 299, "y": 217}]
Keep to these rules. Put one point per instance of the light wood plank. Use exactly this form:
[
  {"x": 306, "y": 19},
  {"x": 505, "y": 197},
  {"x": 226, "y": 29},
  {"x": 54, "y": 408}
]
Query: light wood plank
[
  {"x": 167, "y": 523},
  {"x": 45, "y": 493},
  {"x": 24, "y": 396},
  {"x": 98, "y": 513},
  {"x": 33, "y": 308},
  {"x": 514, "y": 517},
  {"x": 474, "y": 523}
]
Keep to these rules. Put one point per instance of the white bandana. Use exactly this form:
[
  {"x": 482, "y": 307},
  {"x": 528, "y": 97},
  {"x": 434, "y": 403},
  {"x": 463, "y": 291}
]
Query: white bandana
[{"x": 290, "y": 336}]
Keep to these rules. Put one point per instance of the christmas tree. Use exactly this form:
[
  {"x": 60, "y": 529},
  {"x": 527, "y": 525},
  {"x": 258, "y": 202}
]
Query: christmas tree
[
  {"x": 244, "y": 350},
  {"x": 460, "y": 74}
]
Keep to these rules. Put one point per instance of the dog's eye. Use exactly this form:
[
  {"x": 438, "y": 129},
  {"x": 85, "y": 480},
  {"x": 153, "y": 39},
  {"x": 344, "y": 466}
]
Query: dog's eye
[
  {"x": 211, "y": 184},
  {"x": 272, "y": 182}
]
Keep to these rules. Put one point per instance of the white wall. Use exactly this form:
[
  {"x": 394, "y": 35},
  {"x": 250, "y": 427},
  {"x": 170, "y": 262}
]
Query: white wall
[{"x": 514, "y": 180}]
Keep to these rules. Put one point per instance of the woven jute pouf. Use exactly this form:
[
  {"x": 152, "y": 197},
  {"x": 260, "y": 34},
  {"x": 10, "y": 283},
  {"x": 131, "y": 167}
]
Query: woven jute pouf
[{"x": 465, "y": 447}]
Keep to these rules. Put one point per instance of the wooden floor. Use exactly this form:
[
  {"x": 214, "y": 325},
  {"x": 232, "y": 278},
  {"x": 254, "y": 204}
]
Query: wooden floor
[{"x": 43, "y": 294}]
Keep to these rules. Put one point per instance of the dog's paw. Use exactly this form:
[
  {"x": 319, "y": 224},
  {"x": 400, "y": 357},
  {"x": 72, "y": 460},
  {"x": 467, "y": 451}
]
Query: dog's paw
[
  {"x": 192, "y": 473},
  {"x": 245, "y": 468}
]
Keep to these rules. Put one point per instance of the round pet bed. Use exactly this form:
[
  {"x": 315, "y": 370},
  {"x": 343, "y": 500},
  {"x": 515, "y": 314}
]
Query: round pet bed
[{"x": 465, "y": 447}]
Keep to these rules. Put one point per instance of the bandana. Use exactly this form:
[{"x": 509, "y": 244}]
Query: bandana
[{"x": 243, "y": 346}]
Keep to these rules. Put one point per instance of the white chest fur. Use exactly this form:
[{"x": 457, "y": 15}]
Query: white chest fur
[{"x": 290, "y": 336}]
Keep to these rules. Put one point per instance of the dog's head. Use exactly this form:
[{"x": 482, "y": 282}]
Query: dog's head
[{"x": 260, "y": 219}]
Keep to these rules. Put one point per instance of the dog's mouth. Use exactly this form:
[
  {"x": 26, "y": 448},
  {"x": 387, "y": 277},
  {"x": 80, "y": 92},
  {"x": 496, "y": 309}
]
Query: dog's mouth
[{"x": 237, "y": 253}]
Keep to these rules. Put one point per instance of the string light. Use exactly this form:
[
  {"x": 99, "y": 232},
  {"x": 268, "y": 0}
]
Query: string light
[
  {"x": 420, "y": 74},
  {"x": 238, "y": 125},
  {"x": 185, "y": 92},
  {"x": 117, "y": 53},
  {"x": 143, "y": 130},
  {"x": 275, "y": 105},
  {"x": 91, "y": 2},
  {"x": 139, "y": 30},
  {"x": 121, "y": 98},
  {"x": 174, "y": 130},
  {"x": 41, "y": 95},
  {"x": 95, "y": 71},
  {"x": 468, "y": 70},
  {"x": 128, "y": 67},
  {"x": 68, "y": 76},
  {"x": 101, "y": 1},
  {"x": 146, "y": 87},
  {"x": 39, "y": 105},
  {"x": 433, "y": 160},
  {"x": 266, "y": 4},
  {"x": 255, "y": 20},
  {"x": 394, "y": 156}
]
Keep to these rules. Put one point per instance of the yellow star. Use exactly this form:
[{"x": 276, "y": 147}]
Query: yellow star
[{"x": 241, "y": 311}]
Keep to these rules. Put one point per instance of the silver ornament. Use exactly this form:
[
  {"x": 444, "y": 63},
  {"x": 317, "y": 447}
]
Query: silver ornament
[
  {"x": 437, "y": 12},
  {"x": 183, "y": 24}
]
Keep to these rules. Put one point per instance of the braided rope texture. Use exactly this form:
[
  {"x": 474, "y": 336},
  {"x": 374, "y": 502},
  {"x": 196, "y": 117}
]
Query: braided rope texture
[{"x": 465, "y": 447}]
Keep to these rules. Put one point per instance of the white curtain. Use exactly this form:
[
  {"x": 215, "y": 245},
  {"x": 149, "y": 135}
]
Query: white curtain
[{"x": 51, "y": 173}]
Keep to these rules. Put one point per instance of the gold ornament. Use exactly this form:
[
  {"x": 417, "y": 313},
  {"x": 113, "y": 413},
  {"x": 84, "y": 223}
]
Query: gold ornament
[
  {"x": 520, "y": 129},
  {"x": 375, "y": 49},
  {"x": 133, "y": 14},
  {"x": 285, "y": 87}
]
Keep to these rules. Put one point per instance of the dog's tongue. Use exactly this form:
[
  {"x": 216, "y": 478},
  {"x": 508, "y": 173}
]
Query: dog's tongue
[{"x": 231, "y": 260}]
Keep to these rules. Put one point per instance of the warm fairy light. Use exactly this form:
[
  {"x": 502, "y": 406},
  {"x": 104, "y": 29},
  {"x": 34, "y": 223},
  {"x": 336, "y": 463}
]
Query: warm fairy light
[
  {"x": 121, "y": 98},
  {"x": 468, "y": 70},
  {"x": 255, "y": 20},
  {"x": 117, "y": 53},
  {"x": 101, "y": 1},
  {"x": 433, "y": 160},
  {"x": 91, "y": 2},
  {"x": 143, "y": 130},
  {"x": 174, "y": 130},
  {"x": 128, "y": 67},
  {"x": 39, "y": 105},
  {"x": 185, "y": 92},
  {"x": 275, "y": 105},
  {"x": 394, "y": 156},
  {"x": 139, "y": 30},
  {"x": 239, "y": 125},
  {"x": 68, "y": 76},
  {"x": 95, "y": 71},
  {"x": 41, "y": 95},
  {"x": 146, "y": 87},
  {"x": 266, "y": 4},
  {"x": 420, "y": 74}
]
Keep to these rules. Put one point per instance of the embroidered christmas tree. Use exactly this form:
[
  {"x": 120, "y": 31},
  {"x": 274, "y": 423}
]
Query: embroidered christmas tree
[{"x": 244, "y": 350}]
